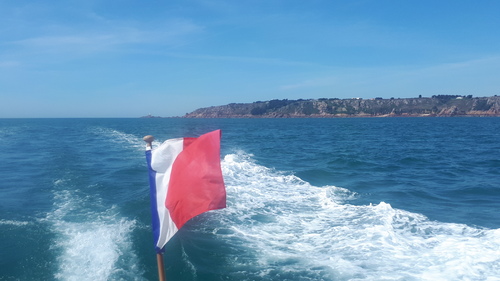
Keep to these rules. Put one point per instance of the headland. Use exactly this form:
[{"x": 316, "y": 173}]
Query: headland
[{"x": 435, "y": 106}]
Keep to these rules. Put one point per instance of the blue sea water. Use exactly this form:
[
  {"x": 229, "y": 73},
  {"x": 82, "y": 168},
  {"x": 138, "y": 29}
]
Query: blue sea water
[{"x": 308, "y": 199}]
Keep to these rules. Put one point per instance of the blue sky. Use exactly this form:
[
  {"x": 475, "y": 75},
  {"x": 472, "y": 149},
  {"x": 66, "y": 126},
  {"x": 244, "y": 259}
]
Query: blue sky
[{"x": 85, "y": 58}]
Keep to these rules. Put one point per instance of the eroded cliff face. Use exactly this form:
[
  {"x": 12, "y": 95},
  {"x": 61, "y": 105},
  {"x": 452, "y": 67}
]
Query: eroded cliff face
[{"x": 487, "y": 106}]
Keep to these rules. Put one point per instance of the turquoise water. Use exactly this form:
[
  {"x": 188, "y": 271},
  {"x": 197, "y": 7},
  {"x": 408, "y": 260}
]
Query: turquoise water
[{"x": 308, "y": 199}]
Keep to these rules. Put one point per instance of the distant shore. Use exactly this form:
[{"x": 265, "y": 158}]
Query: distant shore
[{"x": 435, "y": 106}]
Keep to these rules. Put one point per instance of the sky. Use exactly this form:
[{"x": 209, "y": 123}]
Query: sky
[{"x": 127, "y": 58}]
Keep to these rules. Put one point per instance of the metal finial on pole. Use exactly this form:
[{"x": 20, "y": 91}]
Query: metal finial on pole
[{"x": 149, "y": 141}]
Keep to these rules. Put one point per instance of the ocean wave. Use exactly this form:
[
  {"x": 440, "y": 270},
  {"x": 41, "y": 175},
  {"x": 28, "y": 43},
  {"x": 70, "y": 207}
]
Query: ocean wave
[
  {"x": 289, "y": 226},
  {"x": 14, "y": 223},
  {"x": 92, "y": 242},
  {"x": 116, "y": 137}
]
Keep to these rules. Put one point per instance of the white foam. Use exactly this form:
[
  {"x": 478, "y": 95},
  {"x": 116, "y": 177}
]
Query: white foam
[
  {"x": 91, "y": 244},
  {"x": 121, "y": 138},
  {"x": 13, "y": 223},
  {"x": 291, "y": 226}
]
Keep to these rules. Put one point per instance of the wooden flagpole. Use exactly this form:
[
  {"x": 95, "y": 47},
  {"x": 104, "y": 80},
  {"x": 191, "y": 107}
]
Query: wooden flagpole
[
  {"x": 159, "y": 256},
  {"x": 161, "y": 269}
]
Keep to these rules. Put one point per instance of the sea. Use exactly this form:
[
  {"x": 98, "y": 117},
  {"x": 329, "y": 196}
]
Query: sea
[{"x": 307, "y": 199}]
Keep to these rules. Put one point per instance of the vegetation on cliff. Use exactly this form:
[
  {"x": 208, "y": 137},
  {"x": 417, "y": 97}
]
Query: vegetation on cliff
[{"x": 439, "y": 105}]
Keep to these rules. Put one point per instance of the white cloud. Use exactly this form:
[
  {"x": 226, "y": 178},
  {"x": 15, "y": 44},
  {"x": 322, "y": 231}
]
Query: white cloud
[
  {"x": 9, "y": 64},
  {"x": 108, "y": 38}
]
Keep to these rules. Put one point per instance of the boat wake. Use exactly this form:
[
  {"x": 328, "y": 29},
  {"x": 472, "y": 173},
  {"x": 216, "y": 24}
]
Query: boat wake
[
  {"x": 291, "y": 228},
  {"x": 92, "y": 242}
]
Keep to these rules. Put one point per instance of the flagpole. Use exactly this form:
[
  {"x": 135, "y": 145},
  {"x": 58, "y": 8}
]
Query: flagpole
[
  {"x": 159, "y": 256},
  {"x": 161, "y": 270}
]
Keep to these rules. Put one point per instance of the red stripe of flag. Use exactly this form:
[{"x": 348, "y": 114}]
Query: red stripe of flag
[{"x": 196, "y": 182}]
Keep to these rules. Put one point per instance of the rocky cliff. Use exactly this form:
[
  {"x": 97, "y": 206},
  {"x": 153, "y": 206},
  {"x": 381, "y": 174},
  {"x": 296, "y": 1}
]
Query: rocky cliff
[{"x": 443, "y": 105}]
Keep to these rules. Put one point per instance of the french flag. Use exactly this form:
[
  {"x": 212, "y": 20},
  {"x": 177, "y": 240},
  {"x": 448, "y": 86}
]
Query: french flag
[{"x": 186, "y": 180}]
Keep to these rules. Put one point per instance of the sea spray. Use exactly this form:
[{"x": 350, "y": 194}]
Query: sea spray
[
  {"x": 292, "y": 228},
  {"x": 92, "y": 242}
]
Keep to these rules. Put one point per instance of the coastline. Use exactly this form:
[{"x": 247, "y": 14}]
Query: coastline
[{"x": 437, "y": 106}]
